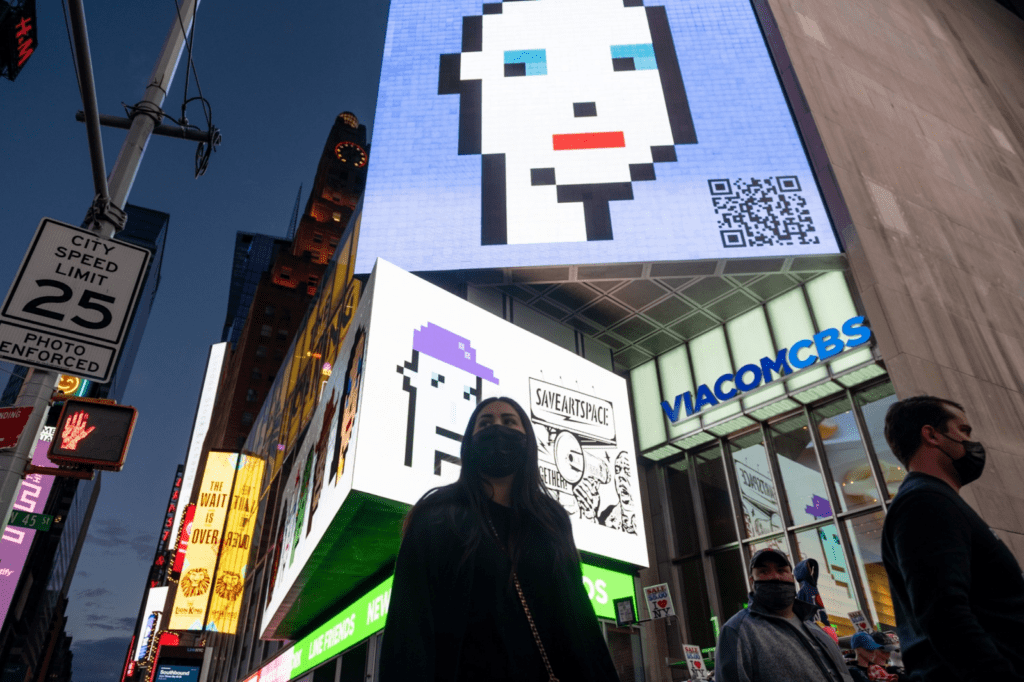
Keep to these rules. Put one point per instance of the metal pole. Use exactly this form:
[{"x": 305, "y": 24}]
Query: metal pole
[
  {"x": 13, "y": 462},
  {"x": 83, "y": 58},
  {"x": 127, "y": 165}
]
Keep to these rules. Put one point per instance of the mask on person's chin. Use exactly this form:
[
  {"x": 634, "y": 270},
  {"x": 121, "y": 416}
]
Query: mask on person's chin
[
  {"x": 969, "y": 467},
  {"x": 774, "y": 595}
]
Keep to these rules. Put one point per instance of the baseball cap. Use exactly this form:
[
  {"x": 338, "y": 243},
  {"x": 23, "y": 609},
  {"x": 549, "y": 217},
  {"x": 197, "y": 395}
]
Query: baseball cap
[
  {"x": 863, "y": 640},
  {"x": 766, "y": 554}
]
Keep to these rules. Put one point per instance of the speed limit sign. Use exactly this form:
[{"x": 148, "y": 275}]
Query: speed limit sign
[{"x": 72, "y": 301}]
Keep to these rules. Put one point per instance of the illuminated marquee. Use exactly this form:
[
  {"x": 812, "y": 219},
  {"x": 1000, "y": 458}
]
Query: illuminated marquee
[
  {"x": 226, "y": 603},
  {"x": 193, "y": 594},
  {"x": 827, "y": 343},
  {"x": 622, "y": 131}
]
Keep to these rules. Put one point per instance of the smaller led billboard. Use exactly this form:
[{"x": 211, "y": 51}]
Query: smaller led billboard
[
  {"x": 512, "y": 134},
  {"x": 152, "y": 620},
  {"x": 412, "y": 369},
  {"x": 193, "y": 594},
  {"x": 177, "y": 673},
  {"x": 237, "y": 542}
]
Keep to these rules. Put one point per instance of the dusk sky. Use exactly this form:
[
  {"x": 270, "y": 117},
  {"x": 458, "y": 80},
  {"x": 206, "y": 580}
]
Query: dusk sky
[{"x": 276, "y": 77}]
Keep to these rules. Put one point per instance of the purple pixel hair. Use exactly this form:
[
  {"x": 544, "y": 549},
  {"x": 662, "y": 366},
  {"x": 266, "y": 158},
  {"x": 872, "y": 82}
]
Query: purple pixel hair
[{"x": 438, "y": 342}]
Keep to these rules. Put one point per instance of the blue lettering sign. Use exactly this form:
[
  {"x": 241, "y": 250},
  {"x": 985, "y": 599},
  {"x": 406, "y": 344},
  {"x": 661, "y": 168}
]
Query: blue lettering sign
[{"x": 828, "y": 343}]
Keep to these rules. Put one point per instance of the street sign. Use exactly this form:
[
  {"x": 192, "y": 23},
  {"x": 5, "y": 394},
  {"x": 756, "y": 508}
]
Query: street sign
[
  {"x": 12, "y": 421},
  {"x": 72, "y": 301},
  {"x": 24, "y": 519}
]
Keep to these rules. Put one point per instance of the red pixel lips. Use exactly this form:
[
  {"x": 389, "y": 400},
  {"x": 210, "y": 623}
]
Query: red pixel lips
[{"x": 589, "y": 140}]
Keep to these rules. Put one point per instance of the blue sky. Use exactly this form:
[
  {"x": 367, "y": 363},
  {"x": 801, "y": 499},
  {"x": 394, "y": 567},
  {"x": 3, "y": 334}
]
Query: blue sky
[{"x": 276, "y": 76}]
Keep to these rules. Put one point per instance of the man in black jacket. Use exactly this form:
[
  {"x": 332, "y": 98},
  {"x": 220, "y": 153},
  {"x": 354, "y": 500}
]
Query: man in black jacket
[{"x": 957, "y": 591}]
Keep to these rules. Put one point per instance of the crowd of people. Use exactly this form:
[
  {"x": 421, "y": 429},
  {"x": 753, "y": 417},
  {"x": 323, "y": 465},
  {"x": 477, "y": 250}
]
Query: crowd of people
[
  {"x": 957, "y": 590},
  {"x": 488, "y": 586}
]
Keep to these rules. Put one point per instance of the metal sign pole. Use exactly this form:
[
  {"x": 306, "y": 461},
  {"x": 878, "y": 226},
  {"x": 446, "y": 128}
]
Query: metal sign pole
[{"x": 105, "y": 215}]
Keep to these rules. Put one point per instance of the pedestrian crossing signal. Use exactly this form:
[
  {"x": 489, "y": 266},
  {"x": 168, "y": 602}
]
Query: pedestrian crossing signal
[{"x": 93, "y": 434}]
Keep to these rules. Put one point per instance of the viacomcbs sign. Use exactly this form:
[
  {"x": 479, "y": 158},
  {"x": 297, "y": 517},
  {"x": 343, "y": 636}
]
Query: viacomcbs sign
[{"x": 827, "y": 343}]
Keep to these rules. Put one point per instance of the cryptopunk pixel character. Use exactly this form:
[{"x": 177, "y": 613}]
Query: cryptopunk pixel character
[
  {"x": 349, "y": 402},
  {"x": 567, "y": 102},
  {"x": 320, "y": 452},
  {"x": 444, "y": 382}
]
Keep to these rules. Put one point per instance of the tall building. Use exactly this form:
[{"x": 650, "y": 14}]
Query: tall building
[
  {"x": 273, "y": 281},
  {"x": 254, "y": 254},
  {"x": 41, "y": 566},
  {"x": 812, "y": 210}
]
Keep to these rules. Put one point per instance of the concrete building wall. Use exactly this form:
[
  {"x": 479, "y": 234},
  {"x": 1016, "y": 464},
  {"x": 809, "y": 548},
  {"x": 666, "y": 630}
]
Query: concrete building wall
[{"x": 920, "y": 105}]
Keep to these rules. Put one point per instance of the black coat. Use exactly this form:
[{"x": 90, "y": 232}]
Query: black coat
[{"x": 430, "y": 598}]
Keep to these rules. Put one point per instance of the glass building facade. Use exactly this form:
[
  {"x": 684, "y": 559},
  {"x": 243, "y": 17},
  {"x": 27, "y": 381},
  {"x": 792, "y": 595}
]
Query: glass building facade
[{"x": 799, "y": 463}]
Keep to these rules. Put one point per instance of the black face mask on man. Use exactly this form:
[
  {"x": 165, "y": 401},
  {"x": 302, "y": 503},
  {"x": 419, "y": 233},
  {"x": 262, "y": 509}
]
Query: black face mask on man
[
  {"x": 969, "y": 467},
  {"x": 774, "y": 595},
  {"x": 499, "y": 450}
]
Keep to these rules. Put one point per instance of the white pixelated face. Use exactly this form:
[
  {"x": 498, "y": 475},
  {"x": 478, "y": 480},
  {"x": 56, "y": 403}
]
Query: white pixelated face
[
  {"x": 444, "y": 405},
  {"x": 552, "y": 97}
]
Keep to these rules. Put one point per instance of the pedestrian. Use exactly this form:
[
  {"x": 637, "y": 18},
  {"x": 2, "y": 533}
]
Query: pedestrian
[
  {"x": 488, "y": 584},
  {"x": 957, "y": 591},
  {"x": 871, "y": 660},
  {"x": 775, "y": 639}
]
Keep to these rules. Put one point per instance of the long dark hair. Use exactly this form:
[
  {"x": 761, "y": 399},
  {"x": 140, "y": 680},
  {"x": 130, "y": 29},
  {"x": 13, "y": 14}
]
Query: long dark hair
[{"x": 531, "y": 503}]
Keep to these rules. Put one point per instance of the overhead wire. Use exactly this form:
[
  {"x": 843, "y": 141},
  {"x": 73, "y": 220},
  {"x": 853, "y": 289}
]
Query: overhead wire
[
  {"x": 71, "y": 43},
  {"x": 207, "y": 147}
]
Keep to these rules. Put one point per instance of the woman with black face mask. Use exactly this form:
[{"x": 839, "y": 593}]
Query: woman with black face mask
[{"x": 488, "y": 583}]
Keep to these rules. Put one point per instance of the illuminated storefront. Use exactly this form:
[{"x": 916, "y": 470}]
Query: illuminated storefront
[{"x": 799, "y": 463}]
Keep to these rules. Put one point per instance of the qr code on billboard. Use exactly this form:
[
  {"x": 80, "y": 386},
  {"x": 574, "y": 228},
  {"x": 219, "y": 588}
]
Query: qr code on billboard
[{"x": 762, "y": 212}]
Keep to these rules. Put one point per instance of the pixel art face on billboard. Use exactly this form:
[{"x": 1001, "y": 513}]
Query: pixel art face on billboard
[
  {"x": 568, "y": 103},
  {"x": 444, "y": 382}
]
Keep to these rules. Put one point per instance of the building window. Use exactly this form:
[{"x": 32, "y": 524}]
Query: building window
[
  {"x": 336, "y": 216},
  {"x": 286, "y": 314},
  {"x": 318, "y": 237},
  {"x": 265, "y": 331},
  {"x": 286, "y": 273},
  {"x": 246, "y": 418},
  {"x": 250, "y": 395},
  {"x": 261, "y": 351},
  {"x": 256, "y": 373},
  {"x": 333, "y": 243},
  {"x": 282, "y": 334},
  {"x": 269, "y": 311}
]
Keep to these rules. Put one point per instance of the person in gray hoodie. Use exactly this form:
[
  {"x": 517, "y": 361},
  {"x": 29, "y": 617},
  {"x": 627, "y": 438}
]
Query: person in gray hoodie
[{"x": 775, "y": 639}]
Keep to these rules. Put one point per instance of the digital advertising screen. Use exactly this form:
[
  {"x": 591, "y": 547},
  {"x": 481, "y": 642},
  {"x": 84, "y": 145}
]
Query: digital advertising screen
[
  {"x": 542, "y": 132},
  {"x": 177, "y": 673},
  {"x": 193, "y": 594},
  {"x": 397, "y": 434},
  {"x": 229, "y": 583}
]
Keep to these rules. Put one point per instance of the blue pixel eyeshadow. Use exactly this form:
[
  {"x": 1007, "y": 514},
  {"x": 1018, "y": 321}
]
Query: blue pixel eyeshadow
[
  {"x": 642, "y": 56},
  {"x": 526, "y": 63}
]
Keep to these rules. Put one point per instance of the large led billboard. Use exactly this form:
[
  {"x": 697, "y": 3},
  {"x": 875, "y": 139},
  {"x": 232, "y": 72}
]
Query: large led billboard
[
  {"x": 583, "y": 131},
  {"x": 413, "y": 367}
]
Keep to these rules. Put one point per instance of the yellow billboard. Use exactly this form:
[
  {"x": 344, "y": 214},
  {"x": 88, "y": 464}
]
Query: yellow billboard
[
  {"x": 296, "y": 391},
  {"x": 193, "y": 594},
  {"x": 226, "y": 602}
]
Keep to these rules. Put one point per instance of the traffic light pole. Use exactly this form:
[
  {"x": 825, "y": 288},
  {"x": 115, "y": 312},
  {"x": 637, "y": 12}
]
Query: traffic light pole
[{"x": 106, "y": 215}]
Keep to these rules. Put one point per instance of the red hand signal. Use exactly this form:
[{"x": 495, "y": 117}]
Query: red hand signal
[{"x": 75, "y": 430}]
